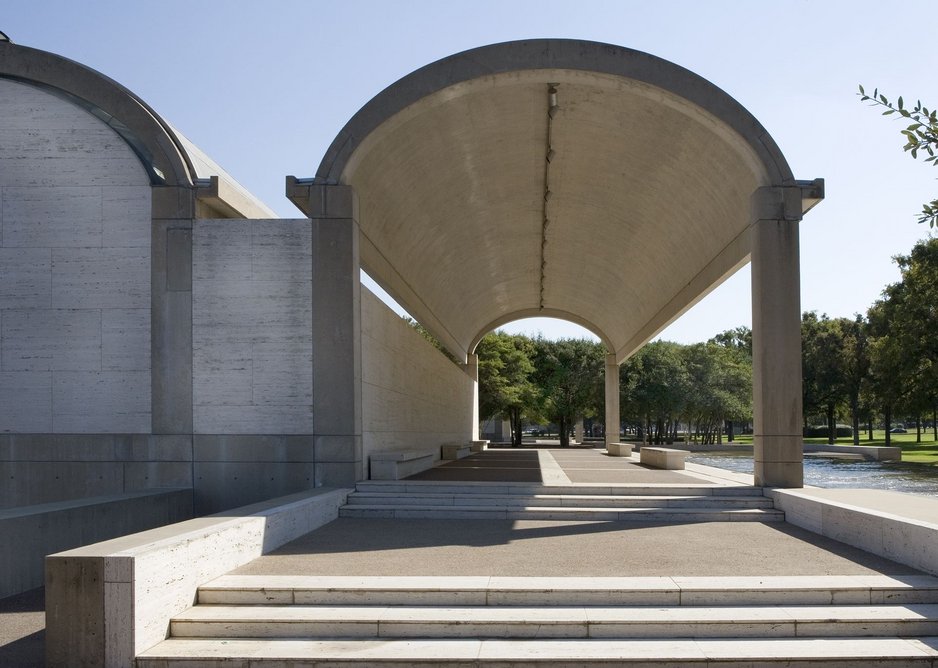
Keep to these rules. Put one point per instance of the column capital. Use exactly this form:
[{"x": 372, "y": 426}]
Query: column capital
[
  {"x": 471, "y": 367},
  {"x": 173, "y": 203},
  {"x": 322, "y": 200},
  {"x": 776, "y": 203}
]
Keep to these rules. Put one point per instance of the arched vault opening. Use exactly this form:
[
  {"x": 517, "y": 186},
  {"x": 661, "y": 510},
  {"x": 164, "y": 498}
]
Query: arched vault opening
[{"x": 568, "y": 177}]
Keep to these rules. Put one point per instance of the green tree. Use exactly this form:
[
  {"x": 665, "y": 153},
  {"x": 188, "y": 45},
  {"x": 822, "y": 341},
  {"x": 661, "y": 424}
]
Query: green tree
[
  {"x": 739, "y": 341},
  {"x": 505, "y": 387},
  {"x": 905, "y": 326},
  {"x": 856, "y": 367},
  {"x": 921, "y": 136},
  {"x": 720, "y": 388},
  {"x": 569, "y": 376},
  {"x": 654, "y": 386},
  {"x": 823, "y": 368}
]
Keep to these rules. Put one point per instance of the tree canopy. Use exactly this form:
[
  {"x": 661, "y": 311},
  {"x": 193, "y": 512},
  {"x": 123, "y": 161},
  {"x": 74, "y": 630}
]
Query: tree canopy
[{"x": 921, "y": 136}]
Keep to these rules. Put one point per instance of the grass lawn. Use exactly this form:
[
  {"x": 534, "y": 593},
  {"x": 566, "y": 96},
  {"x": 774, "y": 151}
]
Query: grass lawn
[{"x": 925, "y": 452}]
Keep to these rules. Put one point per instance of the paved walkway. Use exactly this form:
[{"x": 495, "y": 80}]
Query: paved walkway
[
  {"x": 563, "y": 548},
  {"x": 529, "y": 548}
]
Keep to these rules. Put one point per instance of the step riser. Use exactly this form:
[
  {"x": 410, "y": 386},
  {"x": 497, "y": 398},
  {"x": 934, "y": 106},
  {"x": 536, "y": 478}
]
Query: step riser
[
  {"x": 670, "y": 653},
  {"x": 501, "y": 629},
  {"x": 564, "y": 599},
  {"x": 567, "y": 502},
  {"x": 528, "y": 490},
  {"x": 667, "y": 598},
  {"x": 390, "y": 512}
]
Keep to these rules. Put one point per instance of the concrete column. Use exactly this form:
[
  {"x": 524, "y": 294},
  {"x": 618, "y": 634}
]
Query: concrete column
[
  {"x": 612, "y": 400},
  {"x": 776, "y": 337},
  {"x": 337, "y": 373},
  {"x": 471, "y": 367},
  {"x": 579, "y": 431},
  {"x": 171, "y": 309}
]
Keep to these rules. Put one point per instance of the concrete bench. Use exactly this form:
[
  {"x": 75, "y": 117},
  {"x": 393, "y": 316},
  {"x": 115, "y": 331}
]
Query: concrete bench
[
  {"x": 619, "y": 449},
  {"x": 479, "y": 446},
  {"x": 399, "y": 465},
  {"x": 108, "y": 602},
  {"x": 452, "y": 451},
  {"x": 663, "y": 458}
]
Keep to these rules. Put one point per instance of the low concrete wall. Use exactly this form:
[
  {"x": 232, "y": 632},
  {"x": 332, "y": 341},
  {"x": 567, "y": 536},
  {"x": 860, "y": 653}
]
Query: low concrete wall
[
  {"x": 901, "y": 527},
  {"x": 107, "y": 602},
  {"x": 869, "y": 452},
  {"x": 47, "y": 468},
  {"x": 29, "y": 533},
  {"x": 413, "y": 397}
]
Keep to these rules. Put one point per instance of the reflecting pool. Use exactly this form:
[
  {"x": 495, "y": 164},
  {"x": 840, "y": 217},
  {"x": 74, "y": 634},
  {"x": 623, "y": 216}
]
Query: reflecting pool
[{"x": 823, "y": 472}]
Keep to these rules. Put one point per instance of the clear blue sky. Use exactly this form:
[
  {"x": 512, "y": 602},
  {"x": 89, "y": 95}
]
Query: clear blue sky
[{"x": 264, "y": 87}]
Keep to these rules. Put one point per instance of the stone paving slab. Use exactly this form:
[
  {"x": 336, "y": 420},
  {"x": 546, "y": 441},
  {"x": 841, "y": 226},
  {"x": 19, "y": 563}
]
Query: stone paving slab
[{"x": 351, "y": 546}]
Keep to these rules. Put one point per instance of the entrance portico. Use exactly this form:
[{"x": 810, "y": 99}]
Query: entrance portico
[{"x": 580, "y": 180}]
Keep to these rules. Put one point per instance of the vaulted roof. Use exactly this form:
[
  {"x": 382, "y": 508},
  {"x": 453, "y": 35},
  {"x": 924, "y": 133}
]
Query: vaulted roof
[{"x": 618, "y": 209}]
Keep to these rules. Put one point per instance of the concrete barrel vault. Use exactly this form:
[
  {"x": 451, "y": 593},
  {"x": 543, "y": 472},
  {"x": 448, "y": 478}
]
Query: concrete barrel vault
[
  {"x": 234, "y": 353},
  {"x": 584, "y": 181}
]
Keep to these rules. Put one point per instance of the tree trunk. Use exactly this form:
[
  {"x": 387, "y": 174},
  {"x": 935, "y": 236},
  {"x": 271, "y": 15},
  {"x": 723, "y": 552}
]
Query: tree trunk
[
  {"x": 934, "y": 421},
  {"x": 855, "y": 412},
  {"x": 564, "y": 435},
  {"x": 730, "y": 436},
  {"x": 831, "y": 425},
  {"x": 518, "y": 427},
  {"x": 918, "y": 428},
  {"x": 887, "y": 417},
  {"x": 869, "y": 427}
]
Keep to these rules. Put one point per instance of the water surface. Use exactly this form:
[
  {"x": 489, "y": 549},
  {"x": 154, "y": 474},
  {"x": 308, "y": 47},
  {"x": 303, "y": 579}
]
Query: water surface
[{"x": 823, "y": 472}]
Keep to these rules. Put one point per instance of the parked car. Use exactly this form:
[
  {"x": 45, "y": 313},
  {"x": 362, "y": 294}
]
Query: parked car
[{"x": 898, "y": 430}]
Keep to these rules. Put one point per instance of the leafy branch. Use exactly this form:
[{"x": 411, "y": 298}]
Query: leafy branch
[{"x": 920, "y": 135}]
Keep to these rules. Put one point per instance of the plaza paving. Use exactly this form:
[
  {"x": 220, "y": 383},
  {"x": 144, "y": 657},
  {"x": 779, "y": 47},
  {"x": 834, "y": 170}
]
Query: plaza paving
[
  {"x": 401, "y": 547},
  {"x": 351, "y": 546}
]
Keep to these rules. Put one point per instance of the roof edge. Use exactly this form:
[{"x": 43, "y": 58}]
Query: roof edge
[{"x": 539, "y": 54}]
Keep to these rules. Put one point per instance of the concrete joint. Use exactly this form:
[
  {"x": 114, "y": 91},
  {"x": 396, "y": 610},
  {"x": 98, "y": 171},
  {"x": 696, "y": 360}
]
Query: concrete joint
[
  {"x": 173, "y": 202},
  {"x": 322, "y": 200},
  {"x": 776, "y": 203}
]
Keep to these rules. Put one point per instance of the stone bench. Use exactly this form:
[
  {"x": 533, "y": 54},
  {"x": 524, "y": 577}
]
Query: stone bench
[
  {"x": 663, "y": 458},
  {"x": 110, "y": 601},
  {"x": 479, "y": 446},
  {"x": 619, "y": 449},
  {"x": 453, "y": 451},
  {"x": 399, "y": 465}
]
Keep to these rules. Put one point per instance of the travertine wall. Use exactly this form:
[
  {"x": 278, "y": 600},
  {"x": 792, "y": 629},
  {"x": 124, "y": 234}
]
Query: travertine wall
[
  {"x": 413, "y": 398},
  {"x": 74, "y": 271},
  {"x": 251, "y": 327}
]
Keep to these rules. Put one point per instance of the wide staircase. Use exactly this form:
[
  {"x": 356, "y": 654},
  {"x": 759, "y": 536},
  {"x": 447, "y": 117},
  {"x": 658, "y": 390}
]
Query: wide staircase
[
  {"x": 301, "y": 621},
  {"x": 534, "y": 501}
]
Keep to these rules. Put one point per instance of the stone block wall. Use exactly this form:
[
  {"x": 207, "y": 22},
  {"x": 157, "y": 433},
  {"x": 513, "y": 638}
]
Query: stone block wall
[
  {"x": 251, "y": 327},
  {"x": 74, "y": 271},
  {"x": 413, "y": 397}
]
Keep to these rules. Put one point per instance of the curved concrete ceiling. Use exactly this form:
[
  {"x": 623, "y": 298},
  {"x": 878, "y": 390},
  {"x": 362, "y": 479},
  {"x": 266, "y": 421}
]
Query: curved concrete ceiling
[{"x": 650, "y": 175}]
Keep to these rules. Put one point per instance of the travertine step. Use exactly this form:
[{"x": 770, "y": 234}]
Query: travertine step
[
  {"x": 669, "y": 653},
  {"x": 570, "y": 591},
  {"x": 672, "y": 515},
  {"x": 558, "y": 500},
  {"x": 454, "y": 487},
  {"x": 300, "y": 621}
]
